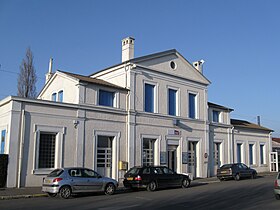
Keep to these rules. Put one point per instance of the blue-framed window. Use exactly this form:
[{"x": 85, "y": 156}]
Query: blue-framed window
[
  {"x": 251, "y": 154},
  {"x": 216, "y": 116},
  {"x": 3, "y": 139},
  {"x": 106, "y": 98},
  {"x": 262, "y": 153},
  {"x": 192, "y": 106},
  {"x": 54, "y": 97},
  {"x": 60, "y": 96},
  {"x": 239, "y": 150},
  {"x": 172, "y": 102},
  {"x": 149, "y": 98}
]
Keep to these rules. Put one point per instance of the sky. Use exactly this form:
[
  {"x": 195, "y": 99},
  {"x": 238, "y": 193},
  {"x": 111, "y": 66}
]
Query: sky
[{"x": 238, "y": 39}]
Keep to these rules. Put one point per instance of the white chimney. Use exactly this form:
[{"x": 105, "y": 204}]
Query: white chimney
[
  {"x": 127, "y": 49},
  {"x": 49, "y": 74},
  {"x": 199, "y": 65}
]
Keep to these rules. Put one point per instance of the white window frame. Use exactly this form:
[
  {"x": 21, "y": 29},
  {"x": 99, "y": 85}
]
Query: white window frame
[
  {"x": 62, "y": 95},
  {"x": 221, "y": 155},
  {"x": 264, "y": 153},
  {"x": 254, "y": 153},
  {"x": 55, "y": 96},
  {"x": 155, "y": 95},
  {"x": 178, "y": 107},
  {"x": 156, "y": 147},
  {"x": 196, "y": 104},
  {"x": 116, "y": 100},
  {"x": 59, "y": 131},
  {"x": 241, "y": 152}
]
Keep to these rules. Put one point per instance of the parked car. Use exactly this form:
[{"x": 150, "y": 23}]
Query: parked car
[
  {"x": 154, "y": 177},
  {"x": 66, "y": 181},
  {"x": 277, "y": 187},
  {"x": 236, "y": 171}
]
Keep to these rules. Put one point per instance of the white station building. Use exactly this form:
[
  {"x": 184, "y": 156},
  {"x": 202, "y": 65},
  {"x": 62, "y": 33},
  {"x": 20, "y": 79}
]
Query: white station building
[{"x": 150, "y": 110}]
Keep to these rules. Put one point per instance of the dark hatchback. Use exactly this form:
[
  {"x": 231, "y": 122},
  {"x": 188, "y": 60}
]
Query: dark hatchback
[
  {"x": 236, "y": 171},
  {"x": 154, "y": 177}
]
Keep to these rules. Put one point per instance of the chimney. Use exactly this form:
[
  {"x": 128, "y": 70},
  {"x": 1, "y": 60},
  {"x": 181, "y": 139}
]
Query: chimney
[
  {"x": 49, "y": 74},
  {"x": 199, "y": 65},
  {"x": 127, "y": 49},
  {"x": 259, "y": 120}
]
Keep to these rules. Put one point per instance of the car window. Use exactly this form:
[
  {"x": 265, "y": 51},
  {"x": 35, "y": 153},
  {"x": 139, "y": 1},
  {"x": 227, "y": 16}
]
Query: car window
[
  {"x": 167, "y": 171},
  {"x": 157, "y": 171},
  {"x": 244, "y": 166},
  {"x": 75, "y": 172},
  {"x": 146, "y": 171},
  {"x": 55, "y": 173},
  {"x": 227, "y": 166},
  {"x": 89, "y": 173},
  {"x": 133, "y": 171}
]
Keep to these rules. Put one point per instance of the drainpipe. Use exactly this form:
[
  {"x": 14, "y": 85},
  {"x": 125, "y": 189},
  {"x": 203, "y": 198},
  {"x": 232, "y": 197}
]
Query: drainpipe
[
  {"x": 21, "y": 146},
  {"x": 232, "y": 144}
]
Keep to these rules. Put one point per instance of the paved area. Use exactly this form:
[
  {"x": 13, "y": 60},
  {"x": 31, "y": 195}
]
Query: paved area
[{"x": 31, "y": 192}]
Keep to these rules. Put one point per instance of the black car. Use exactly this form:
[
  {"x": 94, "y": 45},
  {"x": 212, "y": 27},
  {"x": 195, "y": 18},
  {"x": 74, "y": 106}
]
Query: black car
[
  {"x": 153, "y": 177},
  {"x": 236, "y": 171}
]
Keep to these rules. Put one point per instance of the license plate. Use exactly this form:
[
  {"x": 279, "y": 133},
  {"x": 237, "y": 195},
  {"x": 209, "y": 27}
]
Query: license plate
[
  {"x": 47, "y": 181},
  {"x": 130, "y": 178}
]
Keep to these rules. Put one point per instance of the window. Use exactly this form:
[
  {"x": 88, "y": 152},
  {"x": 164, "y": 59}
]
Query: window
[
  {"x": 251, "y": 154},
  {"x": 106, "y": 98},
  {"x": 148, "y": 152},
  {"x": 217, "y": 159},
  {"x": 2, "y": 148},
  {"x": 172, "y": 103},
  {"x": 47, "y": 150},
  {"x": 149, "y": 98},
  {"x": 192, "y": 106},
  {"x": 262, "y": 154},
  {"x": 60, "y": 96},
  {"x": 216, "y": 116},
  {"x": 239, "y": 150},
  {"x": 54, "y": 97}
]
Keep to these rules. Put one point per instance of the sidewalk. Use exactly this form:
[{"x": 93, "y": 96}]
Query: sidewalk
[{"x": 33, "y": 192}]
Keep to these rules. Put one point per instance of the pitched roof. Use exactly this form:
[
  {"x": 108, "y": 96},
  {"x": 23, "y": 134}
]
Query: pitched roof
[
  {"x": 246, "y": 124},
  {"x": 219, "y": 107},
  {"x": 276, "y": 139},
  {"x": 92, "y": 80}
]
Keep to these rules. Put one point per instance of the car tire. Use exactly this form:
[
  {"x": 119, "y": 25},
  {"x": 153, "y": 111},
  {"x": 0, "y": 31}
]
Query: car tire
[
  {"x": 237, "y": 177},
  {"x": 52, "y": 195},
  {"x": 254, "y": 176},
  {"x": 65, "y": 192},
  {"x": 109, "y": 189},
  {"x": 186, "y": 183},
  {"x": 152, "y": 186},
  {"x": 277, "y": 196}
]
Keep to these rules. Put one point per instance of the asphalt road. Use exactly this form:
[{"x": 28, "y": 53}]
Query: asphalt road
[{"x": 244, "y": 194}]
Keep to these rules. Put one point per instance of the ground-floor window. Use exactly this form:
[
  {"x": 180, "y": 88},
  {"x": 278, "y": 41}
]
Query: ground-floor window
[
  {"x": 239, "y": 152},
  {"x": 217, "y": 159},
  {"x": 2, "y": 146},
  {"x": 47, "y": 150},
  {"x": 262, "y": 158},
  {"x": 148, "y": 152},
  {"x": 251, "y": 154}
]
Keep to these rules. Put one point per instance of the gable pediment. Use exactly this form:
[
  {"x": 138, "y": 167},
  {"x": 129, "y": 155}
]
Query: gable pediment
[{"x": 171, "y": 62}]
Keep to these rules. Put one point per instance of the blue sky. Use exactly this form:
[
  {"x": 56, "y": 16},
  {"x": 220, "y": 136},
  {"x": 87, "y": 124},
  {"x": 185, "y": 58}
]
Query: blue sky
[{"x": 239, "y": 40}]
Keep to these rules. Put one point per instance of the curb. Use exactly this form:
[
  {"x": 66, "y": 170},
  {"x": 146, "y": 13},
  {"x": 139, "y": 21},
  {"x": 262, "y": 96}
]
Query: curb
[{"x": 8, "y": 197}]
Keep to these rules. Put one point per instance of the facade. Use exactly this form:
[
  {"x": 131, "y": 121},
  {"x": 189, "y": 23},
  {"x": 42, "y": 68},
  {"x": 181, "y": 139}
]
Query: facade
[{"x": 148, "y": 110}]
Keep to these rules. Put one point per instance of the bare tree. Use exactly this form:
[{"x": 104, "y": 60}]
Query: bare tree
[{"x": 27, "y": 77}]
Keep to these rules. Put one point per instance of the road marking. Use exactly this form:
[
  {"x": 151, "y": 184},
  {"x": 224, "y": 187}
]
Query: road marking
[{"x": 119, "y": 207}]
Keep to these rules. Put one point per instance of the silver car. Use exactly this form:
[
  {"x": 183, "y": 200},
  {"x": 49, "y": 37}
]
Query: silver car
[
  {"x": 277, "y": 187},
  {"x": 66, "y": 181}
]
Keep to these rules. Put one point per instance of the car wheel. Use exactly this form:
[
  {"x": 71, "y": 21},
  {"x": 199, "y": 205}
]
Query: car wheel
[
  {"x": 277, "y": 196},
  {"x": 52, "y": 195},
  {"x": 65, "y": 192},
  {"x": 254, "y": 176},
  {"x": 221, "y": 179},
  {"x": 109, "y": 189},
  {"x": 185, "y": 183},
  {"x": 237, "y": 177},
  {"x": 152, "y": 186}
]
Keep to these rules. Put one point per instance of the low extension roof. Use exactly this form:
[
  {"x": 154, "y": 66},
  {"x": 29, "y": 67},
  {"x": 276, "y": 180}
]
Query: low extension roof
[
  {"x": 219, "y": 107},
  {"x": 246, "y": 124},
  {"x": 92, "y": 80}
]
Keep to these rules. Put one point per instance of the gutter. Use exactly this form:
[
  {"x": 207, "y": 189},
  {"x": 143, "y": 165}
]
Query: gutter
[{"x": 21, "y": 146}]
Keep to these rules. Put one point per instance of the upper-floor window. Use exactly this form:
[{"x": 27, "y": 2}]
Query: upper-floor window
[
  {"x": 106, "y": 98},
  {"x": 54, "y": 97},
  {"x": 60, "y": 96},
  {"x": 172, "y": 102},
  {"x": 192, "y": 105},
  {"x": 216, "y": 116},
  {"x": 149, "y": 98}
]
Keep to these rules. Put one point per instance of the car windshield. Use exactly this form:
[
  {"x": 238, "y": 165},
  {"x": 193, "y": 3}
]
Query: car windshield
[
  {"x": 55, "y": 173},
  {"x": 227, "y": 166},
  {"x": 133, "y": 171}
]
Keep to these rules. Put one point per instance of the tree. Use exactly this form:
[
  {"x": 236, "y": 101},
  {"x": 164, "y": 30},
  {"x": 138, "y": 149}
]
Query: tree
[{"x": 27, "y": 77}]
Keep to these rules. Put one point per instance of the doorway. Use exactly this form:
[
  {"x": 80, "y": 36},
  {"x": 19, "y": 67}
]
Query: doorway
[
  {"x": 192, "y": 158},
  {"x": 104, "y": 155},
  {"x": 172, "y": 157}
]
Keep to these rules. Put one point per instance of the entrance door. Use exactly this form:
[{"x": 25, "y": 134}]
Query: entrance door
[
  {"x": 104, "y": 155},
  {"x": 172, "y": 157},
  {"x": 192, "y": 158},
  {"x": 217, "y": 157},
  {"x": 274, "y": 161}
]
